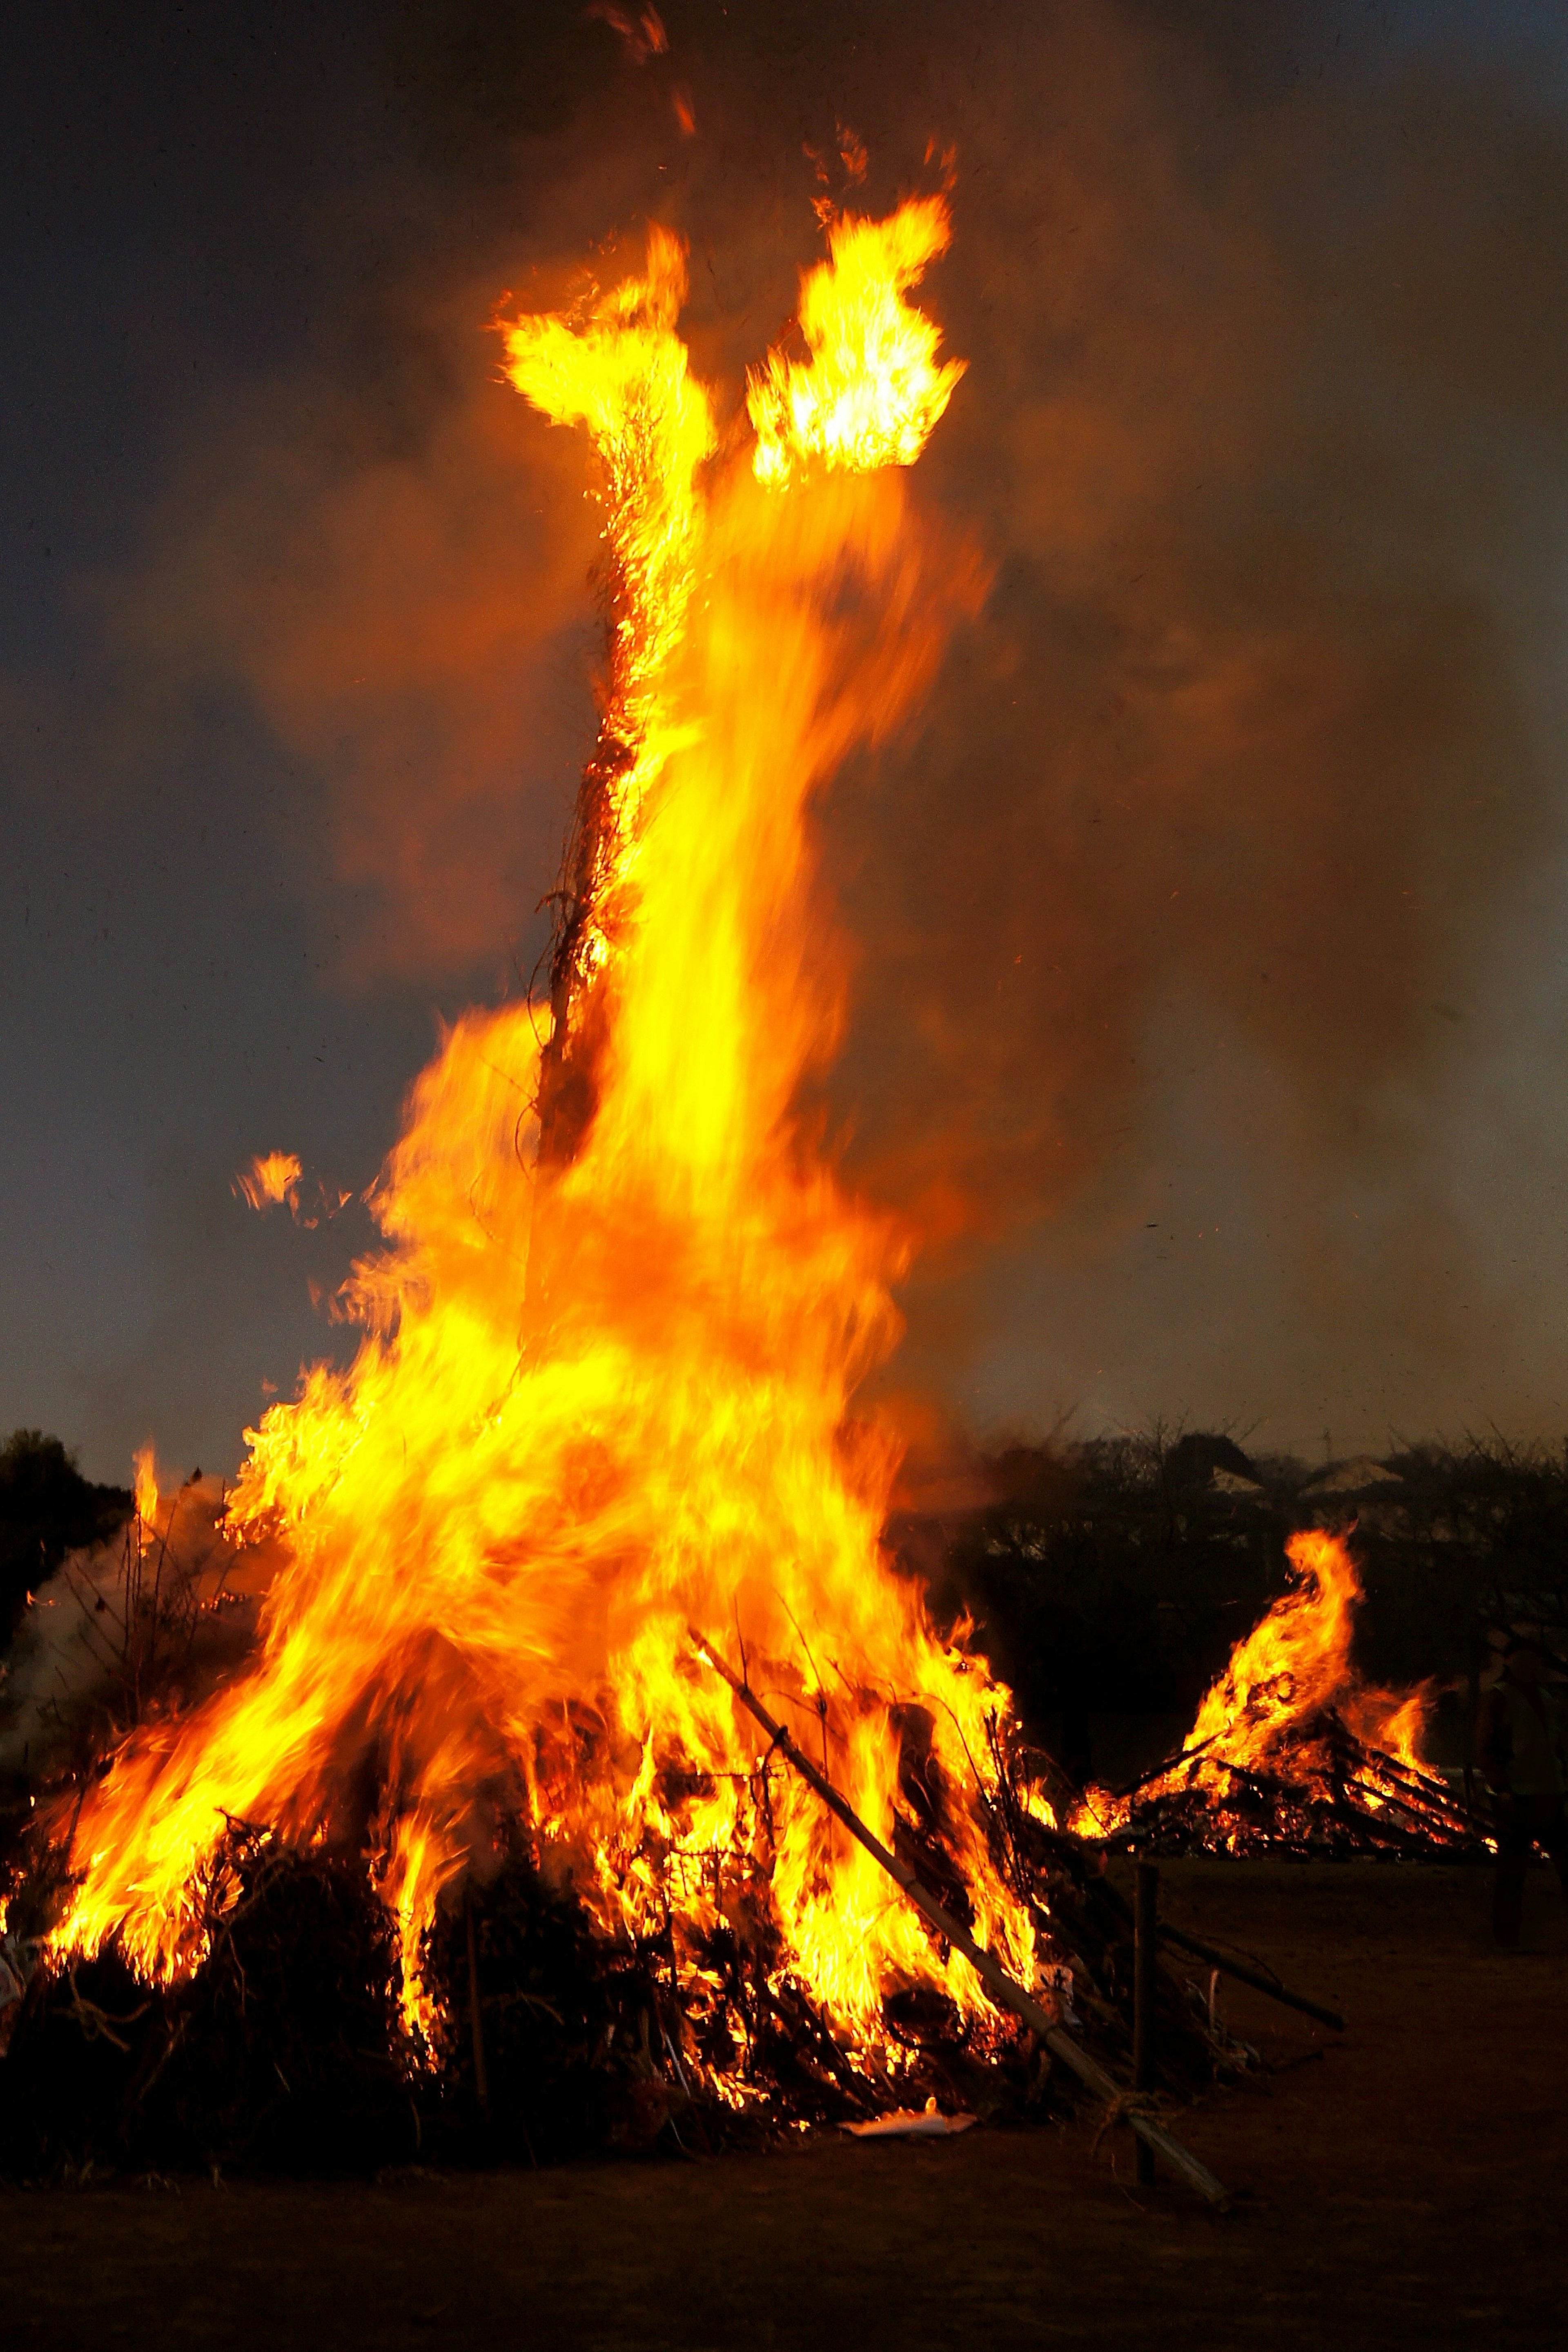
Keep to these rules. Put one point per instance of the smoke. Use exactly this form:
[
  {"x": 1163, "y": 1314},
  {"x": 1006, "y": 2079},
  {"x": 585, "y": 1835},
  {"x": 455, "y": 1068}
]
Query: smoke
[
  {"x": 1182, "y": 919},
  {"x": 1198, "y": 926},
  {"x": 412, "y": 624}
]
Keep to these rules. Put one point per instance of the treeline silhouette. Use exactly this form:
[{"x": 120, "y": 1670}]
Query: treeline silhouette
[
  {"x": 47, "y": 1509},
  {"x": 1113, "y": 1575}
]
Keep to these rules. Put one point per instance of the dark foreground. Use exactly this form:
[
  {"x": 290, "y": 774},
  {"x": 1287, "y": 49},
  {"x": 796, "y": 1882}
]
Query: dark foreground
[{"x": 1409, "y": 2184}]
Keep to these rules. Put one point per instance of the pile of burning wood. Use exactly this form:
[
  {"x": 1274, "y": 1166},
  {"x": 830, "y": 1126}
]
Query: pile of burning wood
[
  {"x": 1326, "y": 1795},
  {"x": 1291, "y": 1755},
  {"x": 288, "y": 2044}
]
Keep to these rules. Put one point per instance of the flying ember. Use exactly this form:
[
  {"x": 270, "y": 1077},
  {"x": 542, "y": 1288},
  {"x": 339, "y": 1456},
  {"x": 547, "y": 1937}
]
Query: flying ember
[{"x": 624, "y": 1302}]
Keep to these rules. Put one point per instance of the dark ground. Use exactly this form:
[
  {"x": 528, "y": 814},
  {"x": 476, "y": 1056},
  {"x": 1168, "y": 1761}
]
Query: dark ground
[{"x": 1409, "y": 2184}]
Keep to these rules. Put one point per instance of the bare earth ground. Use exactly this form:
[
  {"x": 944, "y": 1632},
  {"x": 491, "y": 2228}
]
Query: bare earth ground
[{"x": 1408, "y": 2185}]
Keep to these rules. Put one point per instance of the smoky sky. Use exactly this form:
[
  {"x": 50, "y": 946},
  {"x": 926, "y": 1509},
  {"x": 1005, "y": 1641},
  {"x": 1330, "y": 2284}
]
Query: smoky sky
[{"x": 1207, "y": 927}]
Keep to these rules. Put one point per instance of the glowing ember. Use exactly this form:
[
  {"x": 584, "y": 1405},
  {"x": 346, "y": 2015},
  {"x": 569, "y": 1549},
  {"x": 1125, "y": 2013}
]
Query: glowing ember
[{"x": 603, "y": 1388}]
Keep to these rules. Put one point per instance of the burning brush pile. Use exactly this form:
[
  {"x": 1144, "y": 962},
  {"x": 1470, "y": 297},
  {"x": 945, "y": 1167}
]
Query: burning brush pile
[
  {"x": 1292, "y": 1753},
  {"x": 546, "y": 1751}
]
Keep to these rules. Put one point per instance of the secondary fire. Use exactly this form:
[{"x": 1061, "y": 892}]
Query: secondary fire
[
  {"x": 611, "y": 1343},
  {"x": 1289, "y": 1735}
]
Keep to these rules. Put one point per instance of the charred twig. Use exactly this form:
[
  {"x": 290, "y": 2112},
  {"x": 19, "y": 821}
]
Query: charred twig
[
  {"x": 475, "y": 2011},
  {"x": 99, "y": 2024}
]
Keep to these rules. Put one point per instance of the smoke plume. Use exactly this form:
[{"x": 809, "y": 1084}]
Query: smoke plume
[{"x": 1197, "y": 916}]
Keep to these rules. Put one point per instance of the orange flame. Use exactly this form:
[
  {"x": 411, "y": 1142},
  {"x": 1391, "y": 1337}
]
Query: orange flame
[
  {"x": 146, "y": 1492},
  {"x": 599, "y": 1401},
  {"x": 271, "y": 1181}
]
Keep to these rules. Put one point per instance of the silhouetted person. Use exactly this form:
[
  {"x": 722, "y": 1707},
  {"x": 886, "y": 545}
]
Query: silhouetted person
[{"x": 1519, "y": 1748}]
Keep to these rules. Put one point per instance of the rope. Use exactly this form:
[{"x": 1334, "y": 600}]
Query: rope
[{"x": 1153, "y": 2106}]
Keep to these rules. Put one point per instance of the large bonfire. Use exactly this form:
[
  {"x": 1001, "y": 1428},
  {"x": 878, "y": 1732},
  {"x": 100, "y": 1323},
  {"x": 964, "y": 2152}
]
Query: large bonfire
[
  {"x": 624, "y": 1302},
  {"x": 604, "y": 1396}
]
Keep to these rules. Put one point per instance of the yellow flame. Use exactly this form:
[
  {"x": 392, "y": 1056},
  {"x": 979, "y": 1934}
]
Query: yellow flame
[
  {"x": 621, "y": 369},
  {"x": 146, "y": 1490},
  {"x": 872, "y": 390}
]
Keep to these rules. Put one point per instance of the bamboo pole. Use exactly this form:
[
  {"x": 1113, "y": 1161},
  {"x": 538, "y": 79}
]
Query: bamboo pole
[
  {"x": 1253, "y": 1977},
  {"x": 1004, "y": 1988}
]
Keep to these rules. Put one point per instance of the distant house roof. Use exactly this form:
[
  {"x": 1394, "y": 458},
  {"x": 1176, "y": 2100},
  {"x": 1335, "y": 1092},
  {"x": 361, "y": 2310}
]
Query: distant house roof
[
  {"x": 1194, "y": 1459},
  {"x": 1352, "y": 1477}
]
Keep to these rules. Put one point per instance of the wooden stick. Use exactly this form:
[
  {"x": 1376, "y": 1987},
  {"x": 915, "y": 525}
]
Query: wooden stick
[
  {"x": 1158, "y": 1771},
  {"x": 1003, "y": 1988},
  {"x": 1259, "y": 1983}
]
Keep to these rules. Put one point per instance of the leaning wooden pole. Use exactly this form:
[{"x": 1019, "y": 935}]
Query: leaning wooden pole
[
  {"x": 1003, "y": 1988},
  {"x": 1253, "y": 1977}
]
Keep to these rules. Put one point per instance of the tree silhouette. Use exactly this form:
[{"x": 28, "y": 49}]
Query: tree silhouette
[{"x": 47, "y": 1509}]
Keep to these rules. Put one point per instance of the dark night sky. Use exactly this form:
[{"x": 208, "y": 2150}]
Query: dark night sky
[{"x": 1210, "y": 932}]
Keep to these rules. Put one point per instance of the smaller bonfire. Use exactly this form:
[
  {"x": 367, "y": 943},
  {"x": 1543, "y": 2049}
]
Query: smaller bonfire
[{"x": 1291, "y": 1753}]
